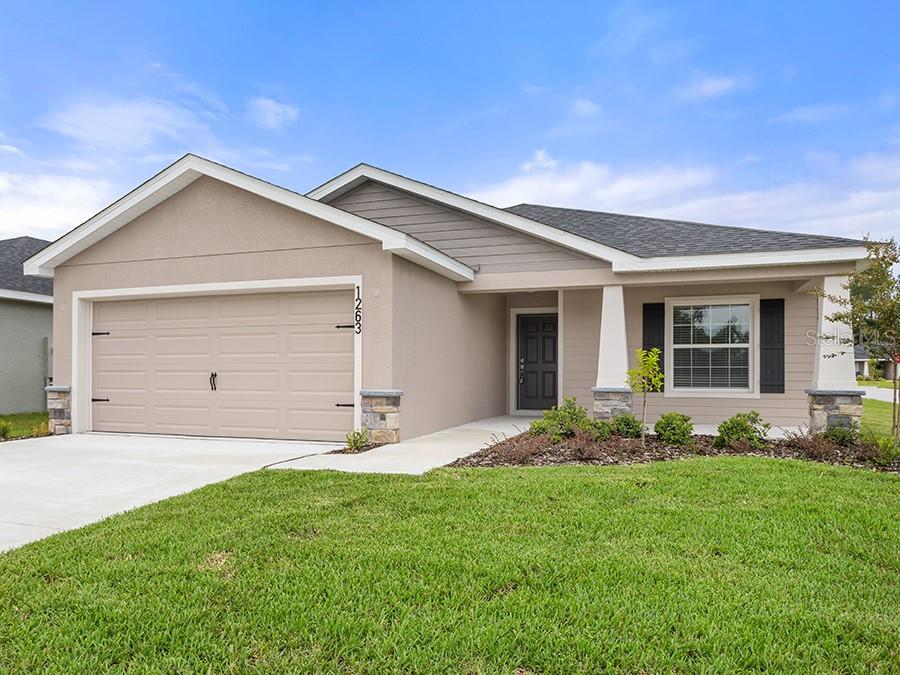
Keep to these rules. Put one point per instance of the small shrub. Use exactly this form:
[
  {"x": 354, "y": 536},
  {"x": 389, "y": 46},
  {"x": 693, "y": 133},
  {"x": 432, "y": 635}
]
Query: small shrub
[
  {"x": 42, "y": 429},
  {"x": 357, "y": 440},
  {"x": 887, "y": 451},
  {"x": 5, "y": 430},
  {"x": 674, "y": 428},
  {"x": 843, "y": 436},
  {"x": 811, "y": 446},
  {"x": 627, "y": 426},
  {"x": 561, "y": 421},
  {"x": 743, "y": 428},
  {"x": 600, "y": 430}
]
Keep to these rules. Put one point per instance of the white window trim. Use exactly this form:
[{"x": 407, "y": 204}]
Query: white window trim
[
  {"x": 83, "y": 315},
  {"x": 512, "y": 349},
  {"x": 669, "y": 391}
]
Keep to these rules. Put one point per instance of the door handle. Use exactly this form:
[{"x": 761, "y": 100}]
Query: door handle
[{"x": 212, "y": 381}]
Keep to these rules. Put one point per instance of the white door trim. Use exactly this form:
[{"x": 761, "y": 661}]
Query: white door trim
[
  {"x": 82, "y": 323},
  {"x": 512, "y": 348}
]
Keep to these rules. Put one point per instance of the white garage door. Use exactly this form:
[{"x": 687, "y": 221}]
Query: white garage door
[{"x": 277, "y": 365}]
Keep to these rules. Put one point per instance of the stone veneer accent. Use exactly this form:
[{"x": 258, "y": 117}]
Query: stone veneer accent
[
  {"x": 609, "y": 402},
  {"x": 381, "y": 414},
  {"x": 834, "y": 408},
  {"x": 59, "y": 407}
]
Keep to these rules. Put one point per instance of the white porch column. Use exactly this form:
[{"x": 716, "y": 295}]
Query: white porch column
[
  {"x": 834, "y": 398},
  {"x": 834, "y": 369},
  {"x": 612, "y": 395}
]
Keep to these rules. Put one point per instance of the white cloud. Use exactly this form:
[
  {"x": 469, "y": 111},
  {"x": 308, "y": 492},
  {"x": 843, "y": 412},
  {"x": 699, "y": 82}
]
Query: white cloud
[
  {"x": 592, "y": 185},
  {"x": 123, "y": 125},
  {"x": 584, "y": 107},
  {"x": 708, "y": 86},
  {"x": 47, "y": 205},
  {"x": 812, "y": 114},
  {"x": 9, "y": 149},
  {"x": 268, "y": 113},
  {"x": 863, "y": 198},
  {"x": 540, "y": 160}
]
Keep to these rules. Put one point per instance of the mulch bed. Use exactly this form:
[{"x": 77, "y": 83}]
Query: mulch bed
[{"x": 529, "y": 450}]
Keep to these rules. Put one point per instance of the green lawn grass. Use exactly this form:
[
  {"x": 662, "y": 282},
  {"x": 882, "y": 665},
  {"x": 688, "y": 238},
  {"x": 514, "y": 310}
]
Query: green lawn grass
[
  {"x": 23, "y": 424},
  {"x": 876, "y": 417},
  {"x": 704, "y": 565},
  {"x": 884, "y": 384}
]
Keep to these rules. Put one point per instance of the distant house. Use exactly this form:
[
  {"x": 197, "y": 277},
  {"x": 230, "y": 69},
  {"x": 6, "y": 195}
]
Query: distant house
[
  {"x": 861, "y": 359},
  {"x": 26, "y": 316}
]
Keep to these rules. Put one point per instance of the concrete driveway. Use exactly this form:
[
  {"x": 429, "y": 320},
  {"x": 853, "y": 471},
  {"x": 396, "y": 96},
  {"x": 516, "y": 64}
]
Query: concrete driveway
[{"x": 57, "y": 483}]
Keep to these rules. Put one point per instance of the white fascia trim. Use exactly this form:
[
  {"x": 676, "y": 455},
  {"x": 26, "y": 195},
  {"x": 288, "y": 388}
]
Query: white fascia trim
[
  {"x": 350, "y": 179},
  {"x": 190, "y": 167},
  {"x": 621, "y": 261},
  {"x": 24, "y": 296},
  {"x": 729, "y": 260}
]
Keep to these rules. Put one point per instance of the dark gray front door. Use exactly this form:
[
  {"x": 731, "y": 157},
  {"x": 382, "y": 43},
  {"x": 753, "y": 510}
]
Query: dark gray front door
[{"x": 536, "y": 361}]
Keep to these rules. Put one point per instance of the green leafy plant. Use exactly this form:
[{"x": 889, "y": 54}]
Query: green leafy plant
[
  {"x": 600, "y": 429},
  {"x": 888, "y": 451},
  {"x": 5, "y": 430},
  {"x": 627, "y": 426},
  {"x": 746, "y": 428},
  {"x": 843, "y": 436},
  {"x": 674, "y": 428},
  {"x": 357, "y": 440},
  {"x": 644, "y": 378},
  {"x": 561, "y": 421}
]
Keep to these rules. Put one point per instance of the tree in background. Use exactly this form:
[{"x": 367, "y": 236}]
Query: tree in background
[{"x": 873, "y": 310}]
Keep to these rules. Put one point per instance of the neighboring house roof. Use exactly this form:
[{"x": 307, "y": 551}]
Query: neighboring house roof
[
  {"x": 860, "y": 353},
  {"x": 666, "y": 245},
  {"x": 13, "y": 282},
  {"x": 649, "y": 237},
  {"x": 189, "y": 168}
]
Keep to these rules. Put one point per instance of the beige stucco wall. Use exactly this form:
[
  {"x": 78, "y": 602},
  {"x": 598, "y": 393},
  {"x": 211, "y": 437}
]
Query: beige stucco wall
[
  {"x": 213, "y": 232},
  {"x": 449, "y": 353},
  {"x": 800, "y": 315}
]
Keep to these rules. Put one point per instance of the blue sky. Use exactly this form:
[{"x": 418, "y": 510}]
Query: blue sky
[{"x": 777, "y": 115}]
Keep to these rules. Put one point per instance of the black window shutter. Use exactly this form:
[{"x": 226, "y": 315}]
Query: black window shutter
[
  {"x": 771, "y": 346},
  {"x": 655, "y": 329}
]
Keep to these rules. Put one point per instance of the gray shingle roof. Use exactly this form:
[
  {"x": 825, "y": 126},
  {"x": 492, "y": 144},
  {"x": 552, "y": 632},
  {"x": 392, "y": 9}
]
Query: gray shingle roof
[
  {"x": 13, "y": 252},
  {"x": 648, "y": 237}
]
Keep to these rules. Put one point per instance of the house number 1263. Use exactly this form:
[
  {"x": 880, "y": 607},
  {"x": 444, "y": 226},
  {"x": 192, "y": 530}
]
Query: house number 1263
[{"x": 357, "y": 315}]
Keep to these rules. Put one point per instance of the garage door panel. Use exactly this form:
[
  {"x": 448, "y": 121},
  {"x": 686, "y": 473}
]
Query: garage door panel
[
  {"x": 121, "y": 381},
  {"x": 282, "y": 365},
  {"x": 183, "y": 381},
  {"x": 181, "y": 346},
  {"x": 333, "y": 382},
  {"x": 234, "y": 342}
]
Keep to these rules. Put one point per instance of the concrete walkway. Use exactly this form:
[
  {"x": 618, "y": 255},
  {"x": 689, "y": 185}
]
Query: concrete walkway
[
  {"x": 57, "y": 483},
  {"x": 418, "y": 455},
  {"x": 879, "y": 394}
]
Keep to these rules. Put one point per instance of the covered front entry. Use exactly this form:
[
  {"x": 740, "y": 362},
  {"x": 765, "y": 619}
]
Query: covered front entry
[
  {"x": 537, "y": 361},
  {"x": 266, "y": 365}
]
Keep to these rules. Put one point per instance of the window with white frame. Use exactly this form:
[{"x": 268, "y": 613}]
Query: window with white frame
[{"x": 711, "y": 345}]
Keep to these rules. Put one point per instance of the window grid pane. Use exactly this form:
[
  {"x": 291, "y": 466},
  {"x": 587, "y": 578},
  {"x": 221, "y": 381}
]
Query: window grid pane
[{"x": 724, "y": 364}]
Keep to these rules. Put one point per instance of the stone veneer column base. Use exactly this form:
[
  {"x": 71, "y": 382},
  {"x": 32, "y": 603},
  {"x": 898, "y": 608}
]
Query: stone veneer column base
[
  {"x": 609, "y": 402},
  {"x": 834, "y": 408},
  {"x": 381, "y": 414},
  {"x": 59, "y": 407}
]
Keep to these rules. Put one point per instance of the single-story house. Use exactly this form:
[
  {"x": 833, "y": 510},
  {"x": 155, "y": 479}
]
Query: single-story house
[
  {"x": 861, "y": 360},
  {"x": 210, "y": 302},
  {"x": 26, "y": 320}
]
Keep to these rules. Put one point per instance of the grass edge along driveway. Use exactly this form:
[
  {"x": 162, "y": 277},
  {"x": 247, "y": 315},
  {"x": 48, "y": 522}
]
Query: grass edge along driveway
[{"x": 727, "y": 564}]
